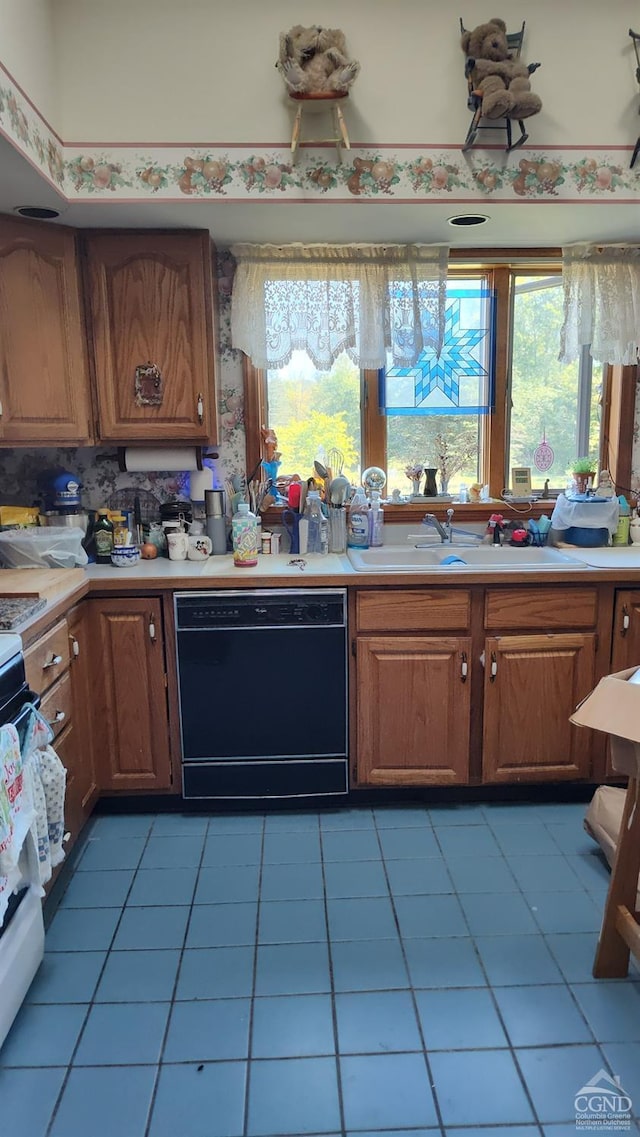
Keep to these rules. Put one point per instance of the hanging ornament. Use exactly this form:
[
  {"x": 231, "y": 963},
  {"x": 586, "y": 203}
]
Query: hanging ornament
[{"x": 543, "y": 454}]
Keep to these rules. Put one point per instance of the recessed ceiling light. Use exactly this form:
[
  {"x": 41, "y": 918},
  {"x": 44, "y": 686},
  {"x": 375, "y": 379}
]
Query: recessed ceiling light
[
  {"x": 38, "y": 212},
  {"x": 467, "y": 219}
]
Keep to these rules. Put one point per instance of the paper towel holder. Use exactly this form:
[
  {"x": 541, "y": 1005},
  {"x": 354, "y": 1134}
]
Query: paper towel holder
[{"x": 201, "y": 453}]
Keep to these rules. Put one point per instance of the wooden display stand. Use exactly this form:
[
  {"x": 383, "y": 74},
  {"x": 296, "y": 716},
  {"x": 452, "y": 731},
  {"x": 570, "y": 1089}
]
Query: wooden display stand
[
  {"x": 620, "y": 933},
  {"x": 322, "y": 101}
]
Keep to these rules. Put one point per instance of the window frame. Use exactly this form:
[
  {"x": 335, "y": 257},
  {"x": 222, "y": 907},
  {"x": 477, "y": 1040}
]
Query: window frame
[{"x": 499, "y": 266}]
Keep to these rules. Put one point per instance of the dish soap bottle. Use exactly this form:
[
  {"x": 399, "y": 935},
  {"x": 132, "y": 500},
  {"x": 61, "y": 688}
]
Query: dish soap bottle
[
  {"x": 621, "y": 535},
  {"x": 244, "y": 527},
  {"x": 318, "y": 533},
  {"x": 358, "y": 525},
  {"x": 103, "y": 536},
  {"x": 376, "y": 520}
]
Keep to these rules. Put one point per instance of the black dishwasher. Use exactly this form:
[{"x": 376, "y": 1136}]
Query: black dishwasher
[{"x": 262, "y": 678}]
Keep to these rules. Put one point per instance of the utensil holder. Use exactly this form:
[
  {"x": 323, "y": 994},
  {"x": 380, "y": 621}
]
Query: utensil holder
[{"x": 337, "y": 529}]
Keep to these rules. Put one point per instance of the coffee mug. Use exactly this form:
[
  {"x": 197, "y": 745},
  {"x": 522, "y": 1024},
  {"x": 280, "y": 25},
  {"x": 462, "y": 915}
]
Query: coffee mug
[
  {"x": 178, "y": 545},
  {"x": 199, "y": 548}
]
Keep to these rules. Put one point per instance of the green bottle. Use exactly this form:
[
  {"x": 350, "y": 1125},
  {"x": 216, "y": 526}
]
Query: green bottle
[{"x": 103, "y": 536}]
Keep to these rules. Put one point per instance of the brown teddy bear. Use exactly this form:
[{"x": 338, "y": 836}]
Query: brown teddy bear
[
  {"x": 502, "y": 81},
  {"x": 314, "y": 60}
]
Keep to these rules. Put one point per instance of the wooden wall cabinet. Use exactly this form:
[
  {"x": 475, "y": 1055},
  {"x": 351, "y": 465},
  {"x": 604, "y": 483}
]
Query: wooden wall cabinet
[
  {"x": 151, "y": 298},
  {"x": 129, "y": 701},
  {"x": 44, "y": 374}
]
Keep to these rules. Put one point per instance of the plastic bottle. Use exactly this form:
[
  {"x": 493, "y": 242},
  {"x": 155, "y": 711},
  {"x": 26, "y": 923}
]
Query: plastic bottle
[
  {"x": 634, "y": 528},
  {"x": 376, "y": 520},
  {"x": 318, "y": 534},
  {"x": 244, "y": 526},
  {"x": 621, "y": 535},
  {"x": 103, "y": 536},
  {"x": 358, "y": 524}
]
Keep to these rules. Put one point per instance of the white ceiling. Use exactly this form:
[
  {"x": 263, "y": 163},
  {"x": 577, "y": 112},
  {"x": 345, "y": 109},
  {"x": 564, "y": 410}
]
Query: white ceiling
[{"x": 526, "y": 224}]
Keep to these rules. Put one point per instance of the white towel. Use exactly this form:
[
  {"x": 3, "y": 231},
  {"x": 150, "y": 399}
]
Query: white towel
[{"x": 16, "y": 814}]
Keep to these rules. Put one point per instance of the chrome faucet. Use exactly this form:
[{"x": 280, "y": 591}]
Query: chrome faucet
[{"x": 445, "y": 531}]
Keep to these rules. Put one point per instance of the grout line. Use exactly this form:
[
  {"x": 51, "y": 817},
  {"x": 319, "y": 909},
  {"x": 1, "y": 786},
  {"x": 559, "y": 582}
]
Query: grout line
[
  {"x": 252, "y": 997},
  {"x": 92, "y": 1001},
  {"x": 334, "y": 1013},
  {"x": 165, "y": 1035}
]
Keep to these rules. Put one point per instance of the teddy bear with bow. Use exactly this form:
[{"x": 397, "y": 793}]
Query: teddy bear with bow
[
  {"x": 314, "y": 61},
  {"x": 501, "y": 80}
]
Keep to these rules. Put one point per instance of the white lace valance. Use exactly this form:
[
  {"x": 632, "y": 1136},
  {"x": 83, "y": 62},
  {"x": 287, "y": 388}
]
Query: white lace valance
[
  {"x": 601, "y": 303},
  {"x": 366, "y": 300}
]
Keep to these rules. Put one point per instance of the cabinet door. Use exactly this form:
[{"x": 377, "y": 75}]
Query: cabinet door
[
  {"x": 81, "y": 782},
  {"x": 626, "y": 631},
  {"x": 129, "y": 705},
  {"x": 625, "y": 649},
  {"x": 152, "y": 302},
  {"x": 44, "y": 375},
  {"x": 532, "y": 686},
  {"x": 413, "y": 710}
]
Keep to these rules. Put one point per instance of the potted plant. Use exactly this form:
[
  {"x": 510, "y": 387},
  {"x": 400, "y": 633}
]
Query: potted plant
[{"x": 584, "y": 473}]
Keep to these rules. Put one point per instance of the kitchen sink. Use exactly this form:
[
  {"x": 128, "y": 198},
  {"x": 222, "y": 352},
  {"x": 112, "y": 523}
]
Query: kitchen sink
[{"x": 478, "y": 558}]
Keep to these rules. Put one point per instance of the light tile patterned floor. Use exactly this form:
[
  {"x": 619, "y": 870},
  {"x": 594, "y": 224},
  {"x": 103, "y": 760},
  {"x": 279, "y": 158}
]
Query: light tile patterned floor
[{"x": 370, "y": 971}]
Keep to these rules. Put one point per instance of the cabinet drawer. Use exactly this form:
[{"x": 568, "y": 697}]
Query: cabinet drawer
[
  {"x": 56, "y": 705},
  {"x": 541, "y": 608},
  {"x": 413, "y": 610},
  {"x": 48, "y": 658}
]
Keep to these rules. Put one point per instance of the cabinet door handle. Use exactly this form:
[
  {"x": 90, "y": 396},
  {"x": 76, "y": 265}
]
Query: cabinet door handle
[
  {"x": 152, "y": 630},
  {"x": 625, "y": 621},
  {"x": 1, "y": 409},
  {"x": 200, "y": 409},
  {"x": 59, "y": 716},
  {"x": 75, "y": 646},
  {"x": 464, "y": 669},
  {"x": 494, "y": 668},
  {"x": 53, "y": 662}
]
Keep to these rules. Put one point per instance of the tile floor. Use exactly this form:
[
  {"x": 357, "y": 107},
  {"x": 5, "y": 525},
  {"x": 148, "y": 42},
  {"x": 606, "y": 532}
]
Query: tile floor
[{"x": 394, "y": 970}]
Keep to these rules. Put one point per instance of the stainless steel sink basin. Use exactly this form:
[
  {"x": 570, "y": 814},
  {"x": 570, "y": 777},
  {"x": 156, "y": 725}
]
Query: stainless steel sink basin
[{"x": 460, "y": 559}]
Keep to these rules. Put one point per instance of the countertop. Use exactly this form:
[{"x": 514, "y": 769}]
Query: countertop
[{"x": 617, "y": 565}]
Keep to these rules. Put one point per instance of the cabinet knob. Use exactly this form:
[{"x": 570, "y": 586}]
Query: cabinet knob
[
  {"x": 152, "y": 631},
  {"x": 625, "y": 621},
  {"x": 464, "y": 667},
  {"x": 75, "y": 646},
  {"x": 200, "y": 409},
  {"x": 52, "y": 662},
  {"x": 59, "y": 716},
  {"x": 494, "y": 668}
]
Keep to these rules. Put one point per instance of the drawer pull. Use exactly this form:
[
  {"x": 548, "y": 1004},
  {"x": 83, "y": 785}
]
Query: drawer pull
[
  {"x": 53, "y": 662},
  {"x": 625, "y": 621},
  {"x": 59, "y": 716},
  {"x": 494, "y": 668},
  {"x": 464, "y": 668}
]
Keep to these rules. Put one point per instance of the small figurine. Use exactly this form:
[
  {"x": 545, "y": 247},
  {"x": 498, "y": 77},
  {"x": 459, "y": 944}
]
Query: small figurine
[{"x": 269, "y": 442}]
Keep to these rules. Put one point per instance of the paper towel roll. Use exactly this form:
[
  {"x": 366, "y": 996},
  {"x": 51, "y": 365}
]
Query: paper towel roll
[
  {"x": 139, "y": 459},
  {"x": 199, "y": 481}
]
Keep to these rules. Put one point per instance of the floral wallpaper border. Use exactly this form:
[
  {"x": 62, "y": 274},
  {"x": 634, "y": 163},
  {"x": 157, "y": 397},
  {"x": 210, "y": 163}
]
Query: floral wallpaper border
[{"x": 244, "y": 173}]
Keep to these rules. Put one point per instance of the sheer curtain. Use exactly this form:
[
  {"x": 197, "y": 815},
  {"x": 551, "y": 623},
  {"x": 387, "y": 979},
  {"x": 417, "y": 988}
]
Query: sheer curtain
[
  {"x": 601, "y": 303},
  {"x": 326, "y": 299}
]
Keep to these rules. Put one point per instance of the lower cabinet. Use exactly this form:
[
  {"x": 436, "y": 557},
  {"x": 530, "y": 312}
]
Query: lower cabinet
[
  {"x": 75, "y": 748},
  {"x": 129, "y": 698},
  {"x": 413, "y": 710},
  {"x": 532, "y": 685}
]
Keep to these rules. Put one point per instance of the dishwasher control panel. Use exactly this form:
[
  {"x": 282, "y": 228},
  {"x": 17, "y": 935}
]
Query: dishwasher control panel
[{"x": 261, "y": 609}]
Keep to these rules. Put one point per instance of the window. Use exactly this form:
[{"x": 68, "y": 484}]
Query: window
[{"x": 540, "y": 408}]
